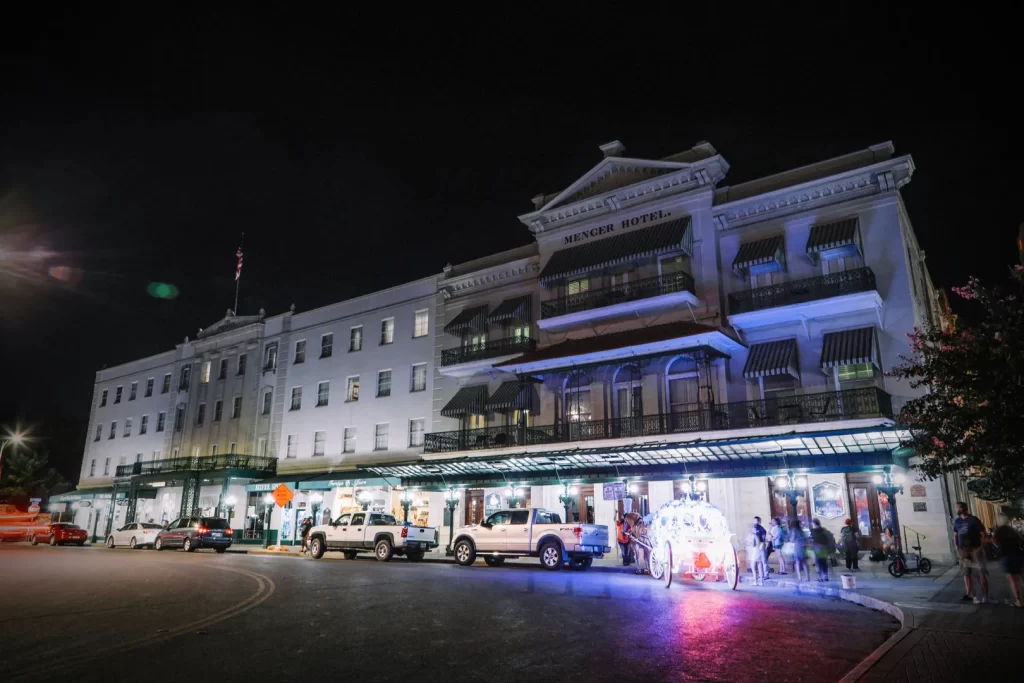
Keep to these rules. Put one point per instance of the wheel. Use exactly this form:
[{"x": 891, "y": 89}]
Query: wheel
[
  {"x": 925, "y": 564},
  {"x": 158, "y": 544},
  {"x": 414, "y": 555},
  {"x": 110, "y": 541},
  {"x": 465, "y": 553},
  {"x": 33, "y": 540},
  {"x": 581, "y": 563},
  {"x": 383, "y": 550},
  {"x": 220, "y": 551},
  {"x": 667, "y": 552},
  {"x": 732, "y": 573},
  {"x": 80, "y": 544},
  {"x": 187, "y": 545},
  {"x": 53, "y": 541},
  {"x": 896, "y": 569},
  {"x": 494, "y": 561},
  {"x": 316, "y": 548},
  {"x": 133, "y": 544},
  {"x": 551, "y": 556},
  {"x": 351, "y": 554}
]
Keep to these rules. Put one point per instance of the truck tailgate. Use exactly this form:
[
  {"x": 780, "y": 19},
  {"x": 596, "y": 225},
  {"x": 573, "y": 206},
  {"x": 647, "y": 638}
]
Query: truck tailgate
[
  {"x": 594, "y": 534},
  {"x": 416, "y": 536}
]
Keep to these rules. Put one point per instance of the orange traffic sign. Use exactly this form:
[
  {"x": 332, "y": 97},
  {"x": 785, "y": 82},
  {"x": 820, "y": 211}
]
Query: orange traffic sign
[{"x": 282, "y": 495}]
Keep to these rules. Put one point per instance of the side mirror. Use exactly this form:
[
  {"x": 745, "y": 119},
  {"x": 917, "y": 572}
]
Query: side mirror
[{"x": 486, "y": 525}]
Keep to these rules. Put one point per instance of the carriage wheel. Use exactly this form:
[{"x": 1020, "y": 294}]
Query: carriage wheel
[
  {"x": 732, "y": 574},
  {"x": 655, "y": 566},
  {"x": 667, "y": 551}
]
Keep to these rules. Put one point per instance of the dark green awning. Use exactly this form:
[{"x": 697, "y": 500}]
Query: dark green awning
[
  {"x": 516, "y": 309},
  {"x": 467, "y": 401},
  {"x": 657, "y": 239},
  {"x": 474, "y": 318},
  {"x": 848, "y": 348},
  {"x": 759, "y": 253},
  {"x": 772, "y": 358},
  {"x": 830, "y": 236},
  {"x": 512, "y": 395}
]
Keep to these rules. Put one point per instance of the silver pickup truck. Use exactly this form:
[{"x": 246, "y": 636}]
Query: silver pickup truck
[
  {"x": 533, "y": 532},
  {"x": 376, "y": 532}
]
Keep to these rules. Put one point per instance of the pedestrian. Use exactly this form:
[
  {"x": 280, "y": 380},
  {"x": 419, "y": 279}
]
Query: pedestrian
[
  {"x": 1011, "y": 549},
  {"x": 968, "y": 532},
  {"x": 819, "y": 544},
  {"x": 307, "y": 524},
  {"x": 757, "y": 560},
  {"x": 622, "y": 536},
  {"x": 850, "y": 536},
  {"x": 799, "y": 545},
  {"x": 778, "y": 539}
]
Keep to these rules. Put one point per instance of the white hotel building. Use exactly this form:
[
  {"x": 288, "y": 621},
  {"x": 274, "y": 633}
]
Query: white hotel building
[{"x": 663, "y": 329}]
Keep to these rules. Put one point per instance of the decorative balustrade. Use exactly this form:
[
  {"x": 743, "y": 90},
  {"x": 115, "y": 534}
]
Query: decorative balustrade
[
  {"x": 617, "y": 294},
  {"x": 205, "y": 463},
  {"x": 489, "y": 349},
  {"x": 802, "y": 291}
]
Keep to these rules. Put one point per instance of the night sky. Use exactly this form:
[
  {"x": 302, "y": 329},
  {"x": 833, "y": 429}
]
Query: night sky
[{"x": 357, "y": 154}]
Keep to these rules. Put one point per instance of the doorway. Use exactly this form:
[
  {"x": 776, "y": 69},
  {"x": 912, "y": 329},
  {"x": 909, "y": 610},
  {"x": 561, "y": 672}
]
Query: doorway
[
  {"x": 583, "y": 505},
  {"x": 869, "y": 513},
  {"x": 474, "y": 506}
]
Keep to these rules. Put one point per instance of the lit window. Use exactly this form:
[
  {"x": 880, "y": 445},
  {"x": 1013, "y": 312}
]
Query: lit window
[
  {"x": 319, "y": 443},
  {"x": 419, "y": 377},
  {"x": 293, "y": 445},
  {"x": 323, "y": 393},
  {"x": 420, "y": 324},
  {"x": 350, "y": 440},
  {"x": 236, "y": 408},
  {"x": 167, "y": 384},
  {"x": 384, "y": 383},
  {"x": 149, "y": 387},
  {"x": 326, "y": 345},
  {"x": 205, "y": 375},
  {"x": 143, "y": 425},
  {"x": 161, "y": 419},
  {"x": 387, "y": 331},
  {"x": 416, "y": 431},
  {"x": 352, "y": 391},
  {"x": 133, "y": 392},
  {"x": 380, "y": 437},
  {"x": 355, "y": 338},
  {"x": 300, "y": 352},
  {"x": 296, "y": 398},
  {"x": 268, "y": 401},
  {"x": 201, "y": 414},
  {"x": 103, "y": 398},
  {"x": 218, "y": 411},
  {"x": 117, "y": 394},
  {"x": 577, "y": 286},
  {"x": 856, "y": 371}
]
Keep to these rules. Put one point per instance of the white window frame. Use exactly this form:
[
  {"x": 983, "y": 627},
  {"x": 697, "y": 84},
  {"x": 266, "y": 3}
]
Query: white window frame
[
  {"x": 161, "y": 421},
  {"x": 412, "y": 377},
  {"x": 349, "y": 397},
  {"x": 352, "y": 336},
  {"x": 268, "y": 402},
  {"x": 321, "y": 442},
  {"x": 99, "y": 432},
  {"x": 204, "y": 376},
  {"x": 218, "y": 410},
  {"x": 391, "y": 379},
  {"x": 377, "y": 435},
  {"x": 150, "y": 385},
  {"x": 300, "y": 347},
  {"x": 241, "y": 364},
  {"x": 143, "y": 424},
  {"x": 270, "y": 356},
  {"x": 292, "y": 447},
  {"x": 323, "y": 393},
  {"x": 422, "y": 432},
  {"x": 346, "y": 437},
  {"x": 133, "y": 391},
  {"x": 296, "y": 399},
  {"x": 417, "y": 332},
  {"x": 118, "y": 393},
  {"x": 326, "y": 344},
  {"x": 113, "y": 430},
  {"x": 383, "y": 326},
  {"x": 103, "y": 398},
  {"x": 165, "y": 388}
]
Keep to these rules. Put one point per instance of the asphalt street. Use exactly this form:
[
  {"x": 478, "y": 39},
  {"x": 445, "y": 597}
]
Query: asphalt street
[{"x": 88, "y": 614}]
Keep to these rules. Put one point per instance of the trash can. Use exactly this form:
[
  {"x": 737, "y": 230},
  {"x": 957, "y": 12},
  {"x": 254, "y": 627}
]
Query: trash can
[{"x": 849, "y": 582}]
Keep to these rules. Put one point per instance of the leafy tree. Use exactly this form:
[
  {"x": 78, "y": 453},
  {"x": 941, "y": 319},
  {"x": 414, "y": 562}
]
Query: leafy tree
[
  {"x": 970, "y": 421},
  {"x": 27, "y": 473}
]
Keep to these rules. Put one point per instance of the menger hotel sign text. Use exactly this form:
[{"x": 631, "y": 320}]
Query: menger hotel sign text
[{"x": 624, "y": 224}]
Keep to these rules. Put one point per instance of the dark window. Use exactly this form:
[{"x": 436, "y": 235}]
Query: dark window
[
  {"x": 218, "y": 410},
  {"x": 213, "y": 522},
  {"x": 223, "y": 372},
  {"x": 357, "y": 519},
  {"x": 241, "y": 364},
  {"x": 149, "y": 387},
  {"x": 167, "y": 384},
  {"x": 545, "y": 517},
  {"x": 520, "y": 517}
]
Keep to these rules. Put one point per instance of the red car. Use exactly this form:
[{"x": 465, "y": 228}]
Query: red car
[{"x": 59, "y": 534}]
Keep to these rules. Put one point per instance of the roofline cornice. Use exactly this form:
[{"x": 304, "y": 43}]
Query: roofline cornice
[{"x": 517, "y": 271}]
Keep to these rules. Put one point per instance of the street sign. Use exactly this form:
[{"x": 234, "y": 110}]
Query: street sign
[
  {"x": 282, "y": 495},
  {"x": 615, "y": 491}
]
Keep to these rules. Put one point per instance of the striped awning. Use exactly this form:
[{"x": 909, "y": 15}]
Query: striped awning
[
  {"x": 830, "y": 236},
  {"x": 516, "y": 309},
  {"x": 772, "y": 358},
  {"x": 512, "y": 395},
  {"x": 467, "y": 401},
  {"x": 474, "y": 318},
  {"x": 657, "y": 239},
  {"x": 849, "y": 347},
  {"x": 759, "y": 253}
]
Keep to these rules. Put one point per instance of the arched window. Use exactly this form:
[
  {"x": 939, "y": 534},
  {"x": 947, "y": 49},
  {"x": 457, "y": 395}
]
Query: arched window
[
  {"x": 577, "y": 397},
  {"x": 683, "y": 385}
]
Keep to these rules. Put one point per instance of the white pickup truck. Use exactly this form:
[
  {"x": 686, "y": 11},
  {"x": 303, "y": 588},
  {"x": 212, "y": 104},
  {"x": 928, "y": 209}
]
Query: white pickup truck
[
  {"x": 376, "y": 532},
  {"x": 534, "y": 532}
]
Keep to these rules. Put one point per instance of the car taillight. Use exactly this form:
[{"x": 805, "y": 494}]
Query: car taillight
[
  {"x": 228, "y": 532},
  {"x": 405, "y": 531},
  {"x": 579, "y": 532},
  {"x": 202, "y": 530}
]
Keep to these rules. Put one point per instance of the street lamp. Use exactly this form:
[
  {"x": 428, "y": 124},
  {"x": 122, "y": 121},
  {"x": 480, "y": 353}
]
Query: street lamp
[
  {"x": 17, "y": 438},
  {"x": 406, "y": 502},
  {"x": 515, "y": 497},
  {"x": 792, "y": 486},
  {"x": 452, "y": 500},
  {"x": 566, "y": 498},
  {"x": 314, "y": 503},
  {"x": 365, "y": 497}
]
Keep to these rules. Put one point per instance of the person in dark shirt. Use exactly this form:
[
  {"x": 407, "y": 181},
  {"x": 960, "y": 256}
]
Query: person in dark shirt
[
  {"x": 1011, "y": 548},
  {"x": 969, "y": 533}
]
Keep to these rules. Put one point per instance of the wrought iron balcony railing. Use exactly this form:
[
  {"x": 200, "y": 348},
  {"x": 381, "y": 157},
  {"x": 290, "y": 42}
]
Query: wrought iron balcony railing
[
  {"x": 617, "y": 294},
  {"x": 489, "y": 349},
  {"x": 204, "y": 463},
  {"x": 797, "y": 409},
  {"x": 802, "y": 291}
]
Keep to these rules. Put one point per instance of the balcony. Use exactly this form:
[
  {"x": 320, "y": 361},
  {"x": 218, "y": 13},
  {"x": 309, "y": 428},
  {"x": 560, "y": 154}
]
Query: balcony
[
  {"x": 639, "y": 296},
  {"x": 254, "y": 465},
  {"x": 831, "y": 406},
  {"x": 466, "y": 360},
  {"x": 842, "y": 293}
]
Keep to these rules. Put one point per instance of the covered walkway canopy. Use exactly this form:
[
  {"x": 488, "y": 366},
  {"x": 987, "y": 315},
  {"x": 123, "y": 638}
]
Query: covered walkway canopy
[{"x": 835, "y": 451}]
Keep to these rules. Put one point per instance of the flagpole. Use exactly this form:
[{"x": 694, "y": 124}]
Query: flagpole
[{"x": 238, "y": 273}]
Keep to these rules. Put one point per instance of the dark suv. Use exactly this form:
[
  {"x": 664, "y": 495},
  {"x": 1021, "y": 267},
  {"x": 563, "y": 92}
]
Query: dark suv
[{"x": 192, "y": 533}]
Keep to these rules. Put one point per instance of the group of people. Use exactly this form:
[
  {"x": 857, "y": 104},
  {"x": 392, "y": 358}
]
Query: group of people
[
  {"x": 969, "y": 537},
  {"x": 793, "y": 544}
]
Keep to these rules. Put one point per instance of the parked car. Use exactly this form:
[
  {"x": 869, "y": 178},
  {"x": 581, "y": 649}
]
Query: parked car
[
  {"x": 533, "y": 532},
  {"x": 377, "y": 532},
  {"x": 59, "y": 534},
  {"x": 134, "y": 535},
  {"x": 192, "y": 533}
]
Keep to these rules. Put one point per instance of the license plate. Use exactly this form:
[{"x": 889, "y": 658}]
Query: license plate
[
  {"x": 216, "y": 534},
  {"x": 416, "y": 544}
]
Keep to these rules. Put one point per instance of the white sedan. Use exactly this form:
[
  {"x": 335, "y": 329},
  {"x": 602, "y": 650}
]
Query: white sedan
[{"x": 134, "y": 535}]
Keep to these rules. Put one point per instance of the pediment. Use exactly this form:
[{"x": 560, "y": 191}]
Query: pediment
[
  {"x": 229, "y": 322},
  {"x": 613, "y": 173}
]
